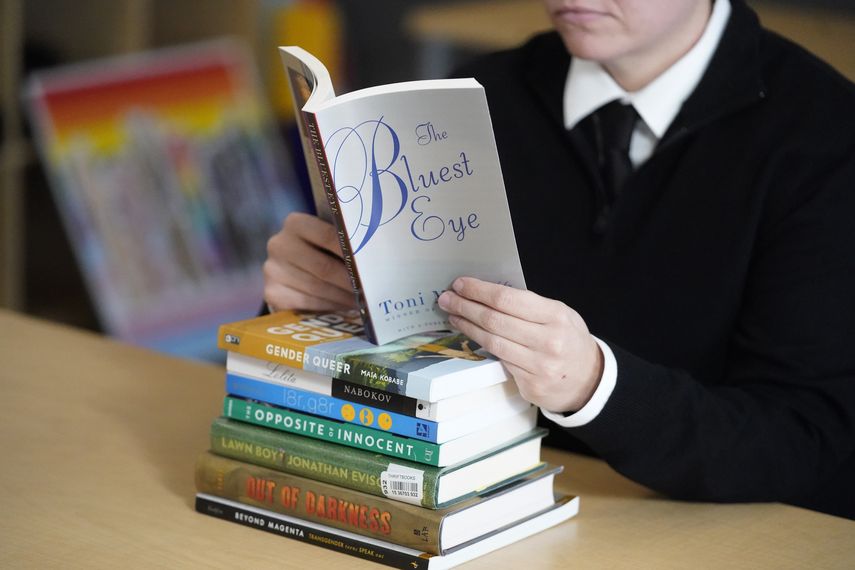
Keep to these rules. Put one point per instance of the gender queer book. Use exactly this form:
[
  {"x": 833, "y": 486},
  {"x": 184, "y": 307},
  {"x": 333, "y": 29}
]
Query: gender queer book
[
  {"x": 492, "y": 401},
  {"x": 412, "y": 181},
  {"x": 383, "y": 552},
  {"x": 434, "y": 531},
  {"x": 429, "y": 366},
  {"x": 375, "y": 473}
]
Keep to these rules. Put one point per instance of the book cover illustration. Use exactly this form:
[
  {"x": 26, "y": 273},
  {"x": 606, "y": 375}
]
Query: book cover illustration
[
  {"x": 302, "y": 84},
  {"x": 169, "y": 176},
  {"x": 428, "y": 366},
  {"x": 412, "y": 177}
]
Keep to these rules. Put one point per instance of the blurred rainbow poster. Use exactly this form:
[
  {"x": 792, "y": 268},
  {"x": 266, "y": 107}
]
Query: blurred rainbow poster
[{"x": 170, "y": 177}]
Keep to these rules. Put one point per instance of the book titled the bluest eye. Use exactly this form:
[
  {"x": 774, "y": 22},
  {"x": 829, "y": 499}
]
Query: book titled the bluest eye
[{"x": 410, "y": 176}]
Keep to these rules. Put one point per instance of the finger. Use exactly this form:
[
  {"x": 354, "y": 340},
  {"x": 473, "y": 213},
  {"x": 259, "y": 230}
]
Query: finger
[
  {"x": 526, "y": 383},
  {"x": 513, "y": 328},
  {"x": 324, "y": 266},
  {"x": 295, "y": 252},
  {"x": 283, "y": 298},
  {"x": 502, "y": 348},
  {"x": 515, "y": 302},
  {"x": 314, "y": 231},
  {"x": 281, "y": 277}
]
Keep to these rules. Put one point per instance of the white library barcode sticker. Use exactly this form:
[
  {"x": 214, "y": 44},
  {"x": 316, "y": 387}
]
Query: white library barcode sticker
[{"x": 403, "y": 483}]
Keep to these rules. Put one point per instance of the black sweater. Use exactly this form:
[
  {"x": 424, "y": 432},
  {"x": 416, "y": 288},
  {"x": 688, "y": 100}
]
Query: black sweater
[{"x": 725, "y": 283}]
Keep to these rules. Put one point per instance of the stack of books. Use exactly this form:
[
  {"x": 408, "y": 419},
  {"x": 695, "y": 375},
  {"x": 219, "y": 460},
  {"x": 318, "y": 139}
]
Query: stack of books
[{"x": 416, "y": 454}]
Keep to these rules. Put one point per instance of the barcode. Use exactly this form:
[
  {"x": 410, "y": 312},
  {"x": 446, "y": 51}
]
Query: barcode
[{"x": 404, "y": 488}]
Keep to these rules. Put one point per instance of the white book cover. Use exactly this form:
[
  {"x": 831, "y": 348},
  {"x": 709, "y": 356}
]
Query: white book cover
[{"x": 411, "y": 175}]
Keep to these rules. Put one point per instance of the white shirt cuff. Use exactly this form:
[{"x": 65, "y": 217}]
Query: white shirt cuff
[{"x": 601, "y": 395}]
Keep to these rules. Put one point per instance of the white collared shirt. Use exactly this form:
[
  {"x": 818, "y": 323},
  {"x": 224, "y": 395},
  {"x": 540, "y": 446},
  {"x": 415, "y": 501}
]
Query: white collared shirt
[{"x": 588, "y": 88}]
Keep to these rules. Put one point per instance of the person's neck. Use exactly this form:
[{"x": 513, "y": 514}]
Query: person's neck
[{"x": 636, "y": 70}]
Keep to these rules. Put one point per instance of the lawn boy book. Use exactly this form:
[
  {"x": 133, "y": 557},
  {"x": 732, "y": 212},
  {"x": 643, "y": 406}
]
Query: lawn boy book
[
  {"x": 369, "y": 416},
  {"x": 354, "y": 435},
  {"x": 490, "y": 400},
  {"x": 383, "y": 552},
  {"x": 375, "y": 473},
  {"x": 433, "y": 531},
  {"x": 429, "y": 366},
  {"x": 412, "y": 181}
]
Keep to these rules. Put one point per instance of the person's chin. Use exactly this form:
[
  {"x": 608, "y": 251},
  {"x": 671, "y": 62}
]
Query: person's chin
[{"x": 588, "y": 45}]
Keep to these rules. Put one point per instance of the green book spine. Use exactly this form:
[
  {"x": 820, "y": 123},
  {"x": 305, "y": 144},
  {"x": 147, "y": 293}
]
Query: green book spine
[
  {"x": 311, "y": 500},
  {"x": 325, "y": 461},
  {"x": 351, "y": 435}
]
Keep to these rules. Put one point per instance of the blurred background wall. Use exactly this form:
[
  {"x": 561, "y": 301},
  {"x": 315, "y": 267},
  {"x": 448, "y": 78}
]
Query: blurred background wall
[{"x": 364, "y": 42}]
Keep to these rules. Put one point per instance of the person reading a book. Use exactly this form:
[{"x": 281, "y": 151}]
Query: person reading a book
[{"x": 682, "y": 184}]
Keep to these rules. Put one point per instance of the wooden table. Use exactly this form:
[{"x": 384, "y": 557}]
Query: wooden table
[{"x": 98, "y": 441}]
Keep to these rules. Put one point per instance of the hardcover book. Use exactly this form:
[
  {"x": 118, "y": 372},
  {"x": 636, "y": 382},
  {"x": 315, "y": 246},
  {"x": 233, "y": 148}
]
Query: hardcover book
[
  {"x": 433, "y": 531},
  {"x": 380, "y": 551},
  {"x": 430, "y": 366},
  {"x": 375, "y": 473},
  {"x": 360, "y": 437},
  {"x": 369, "y": 416},
  {"x": 412, "y": 181},
  {"x": 493, "y": 400}
]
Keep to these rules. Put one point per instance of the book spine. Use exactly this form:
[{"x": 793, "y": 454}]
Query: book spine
[
  {"x": 316, "y": 427},
  {"x": 300, "y": 379},
  {"x": 329, "y": 407},
  {"x": 283, "y": 350},
  {"x": 420, "y": 368},
  {"x": 355, "y": 469},
  {"x": 379, "y": 398},
  {"x": 277, "y": 373},
  {"x": 316, "y": 501},
  {"x": 367, "y": 550},
  {"x": 320, "y": 156}
]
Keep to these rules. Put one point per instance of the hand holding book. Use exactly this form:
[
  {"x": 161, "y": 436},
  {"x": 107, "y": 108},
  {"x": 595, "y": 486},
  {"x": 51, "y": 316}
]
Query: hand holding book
[
  {"x": 543, "y": 343},
  {"x": 304, "y": 269}
]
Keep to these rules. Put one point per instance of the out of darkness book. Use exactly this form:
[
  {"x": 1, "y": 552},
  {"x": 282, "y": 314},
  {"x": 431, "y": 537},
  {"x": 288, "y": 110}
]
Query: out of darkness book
[
  {"x": 380, "y": 551},
  {"x": 377, "y": 517}
]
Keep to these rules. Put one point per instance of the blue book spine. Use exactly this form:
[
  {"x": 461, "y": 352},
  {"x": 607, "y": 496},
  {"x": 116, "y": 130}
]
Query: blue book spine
[{"x": 329, "y": 407}]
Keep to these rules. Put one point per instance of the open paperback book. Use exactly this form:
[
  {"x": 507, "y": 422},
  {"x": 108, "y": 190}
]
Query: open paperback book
[{"x": 410, "y": 176}]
